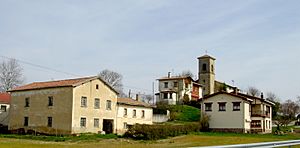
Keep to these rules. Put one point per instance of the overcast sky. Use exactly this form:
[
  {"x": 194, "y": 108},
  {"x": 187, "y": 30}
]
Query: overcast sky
[{"x": 256, "y": 42}]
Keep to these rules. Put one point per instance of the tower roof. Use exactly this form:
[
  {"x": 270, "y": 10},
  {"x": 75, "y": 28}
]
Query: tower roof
[{"x": 206, "y": 56}]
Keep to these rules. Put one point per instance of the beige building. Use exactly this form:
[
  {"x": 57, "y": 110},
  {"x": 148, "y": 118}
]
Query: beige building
[
  {"x": 130, "y": 112},
  {"x": 236, "y": 112},
  {"x": 4, "y": 108},
  {"x": 173, "y": 90},
  {"x": 83, "y": 105}
]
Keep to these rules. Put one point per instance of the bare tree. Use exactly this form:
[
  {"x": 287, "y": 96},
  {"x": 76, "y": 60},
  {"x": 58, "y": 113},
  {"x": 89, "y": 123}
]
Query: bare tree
[
  {"x": 272, "y": 97},
  {"x": 114, "y": 79},
  {"x": 148, "y": 98},
  {"x": 187, "y": 73},
  {"x": 289, "y": 108},
  {"x": 10, "y": 75},
  {"x": 253, "y": 91}
]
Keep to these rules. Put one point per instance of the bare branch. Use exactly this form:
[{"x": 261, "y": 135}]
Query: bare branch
[{"x": 11, "y": 75}]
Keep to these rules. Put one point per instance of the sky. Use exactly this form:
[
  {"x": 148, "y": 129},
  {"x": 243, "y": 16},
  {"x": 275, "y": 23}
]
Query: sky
[{"x": 255, "y": 42}]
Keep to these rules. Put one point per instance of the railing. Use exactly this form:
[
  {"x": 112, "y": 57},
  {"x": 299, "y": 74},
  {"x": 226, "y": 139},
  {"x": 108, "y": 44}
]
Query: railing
[
  {"x": 260, "y": 145},
  {"x": 260, "y": 114}
]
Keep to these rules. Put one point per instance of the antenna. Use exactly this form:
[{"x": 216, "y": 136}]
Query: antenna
[{"x": 206, "y": 52}]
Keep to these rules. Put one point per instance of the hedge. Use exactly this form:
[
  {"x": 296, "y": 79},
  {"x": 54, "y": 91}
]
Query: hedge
[{"x": 155, "y": 132}]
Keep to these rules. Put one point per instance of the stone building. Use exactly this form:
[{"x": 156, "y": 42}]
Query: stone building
[
  {"x": 4, "y": 108},
  {"x": 83, "y": 105}
]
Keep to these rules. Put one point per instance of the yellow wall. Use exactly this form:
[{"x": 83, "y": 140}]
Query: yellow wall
[
  {"x": 89, "y": 90},
  {"x": 39, "y": 111}
]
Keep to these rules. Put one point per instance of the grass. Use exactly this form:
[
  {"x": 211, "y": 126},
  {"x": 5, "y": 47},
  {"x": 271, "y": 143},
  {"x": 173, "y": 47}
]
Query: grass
[
  {"x": 184, "y": 113},
  {"x": 195, "y": 139}
]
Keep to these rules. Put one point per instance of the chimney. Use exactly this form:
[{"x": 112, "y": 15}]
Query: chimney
[
  {"x": 262, "y": 95},
  {"x": 169, "y": 74},
  {"x": 235, "y": 90},
  {"x": 137, "y": 97}
]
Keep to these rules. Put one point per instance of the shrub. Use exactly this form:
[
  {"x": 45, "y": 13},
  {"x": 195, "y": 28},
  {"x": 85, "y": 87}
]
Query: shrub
[{"x": 155, "y": 132}]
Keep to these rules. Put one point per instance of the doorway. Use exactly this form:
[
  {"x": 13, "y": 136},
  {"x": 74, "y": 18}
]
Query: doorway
[{"x": 108, "y": 126}]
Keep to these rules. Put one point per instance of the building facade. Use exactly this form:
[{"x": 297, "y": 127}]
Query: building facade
[
  {"x": 83, "y": 105},
  {"x": 236, "y": 112},
  {"x": 177, "y": 89},
  {"x": 4, "y": 108},
  {"x": 130, "y": 112}
]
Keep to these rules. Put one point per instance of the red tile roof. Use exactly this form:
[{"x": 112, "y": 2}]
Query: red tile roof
[
  {"x": 129, "y": 101},
  {"x": 5, "y": 98},
  {"x": 59, "y": 83},
  {"x": 231, "y": 94}
]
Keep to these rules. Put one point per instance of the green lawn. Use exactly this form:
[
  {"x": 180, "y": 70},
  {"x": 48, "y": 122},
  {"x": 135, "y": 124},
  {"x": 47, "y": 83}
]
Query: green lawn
[{"x": 197, "y": 139}]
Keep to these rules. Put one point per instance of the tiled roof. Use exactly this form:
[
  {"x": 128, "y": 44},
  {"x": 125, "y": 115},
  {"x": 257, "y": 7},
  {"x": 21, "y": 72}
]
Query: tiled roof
[
  {"x": 59, "y": 83},
  {"x": 174, "y": 78},
  {"x": 231, "y": 94},
  {"x": 206, "y": 56},
  {"x": 51, "y": 84},
  {"x": 253, "y": 97},
  {"x": 129, "y": 101},
  {"x": 5, "y": 98}
]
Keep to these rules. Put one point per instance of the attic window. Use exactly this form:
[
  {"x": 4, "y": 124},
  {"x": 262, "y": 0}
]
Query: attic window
[{"x": 97, "y": 86}]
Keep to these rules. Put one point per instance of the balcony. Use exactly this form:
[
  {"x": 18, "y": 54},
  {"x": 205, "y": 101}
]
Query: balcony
[{"x": 260, "y": 114}]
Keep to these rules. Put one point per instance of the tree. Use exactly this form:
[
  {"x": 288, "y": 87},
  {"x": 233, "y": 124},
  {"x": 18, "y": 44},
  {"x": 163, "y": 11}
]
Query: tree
[
  {"x": 253, "y": 91},
  {"x": 290, "y": 108},
  {"x": 11, "y": 75},
  {"x": 148, "y": 99},
  {"x": 272, "y": 97},
  {"x": 114, "y": 79},
  {"x": 187, "y": 73}
]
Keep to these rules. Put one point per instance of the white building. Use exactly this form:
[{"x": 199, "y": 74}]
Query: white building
[
  {"x": 130, "y": 112},
  {"x": 174, "y": 90},
  {"x": 236, "y": 112}
]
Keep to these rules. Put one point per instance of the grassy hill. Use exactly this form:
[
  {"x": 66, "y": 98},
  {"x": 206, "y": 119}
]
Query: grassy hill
[{"x": 183, "y": 113}]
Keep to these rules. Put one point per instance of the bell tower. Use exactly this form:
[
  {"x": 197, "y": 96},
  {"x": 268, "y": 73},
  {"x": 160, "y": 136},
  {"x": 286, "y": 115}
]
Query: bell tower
[{"x": 206, "y": 74}]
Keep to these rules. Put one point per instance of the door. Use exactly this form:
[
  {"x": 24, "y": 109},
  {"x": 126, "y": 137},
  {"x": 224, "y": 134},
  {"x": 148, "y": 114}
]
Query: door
[{"x": 108, "y": 126}]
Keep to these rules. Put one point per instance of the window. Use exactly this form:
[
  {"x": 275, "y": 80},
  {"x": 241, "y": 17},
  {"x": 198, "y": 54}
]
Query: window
[
  {"x": 143, "y": 114},
  {"x": 27, "y": 102},
  {"x": 125, "y": 125},
  {"x": 97, "y": 86},
  {"x": 166, "y": 84},
  {"x": 236, "y": 106},
  {"x": 82, "y": 122},
  {"x": 3, "y": 108},
  {"x": 97, "y": 103},
  {"x": 96, "y": 123},
  {"x": 49, "y": 121},
  {"x": 134, "y": 113},
  {"x": 212, "y": 68},
  {"x": 125, "y": 112},
  {"x": 256, "y": 124},
  {"x": 108, "y": 105},
  {"x": 204, "y": 68},
  {"x": 175, "y": 84},
  {"x": 26, "y": 119},
  {"x": 208, "y": 106},
  {"x": 165, "y": 95},
  {"x": 83, "y": 101},
  {"x": 222, "y": 106},
  {"x": 50, "y": 101}
]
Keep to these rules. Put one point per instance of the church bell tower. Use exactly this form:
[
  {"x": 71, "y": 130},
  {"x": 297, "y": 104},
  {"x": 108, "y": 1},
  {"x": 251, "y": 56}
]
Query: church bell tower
[{"x": 206, "y": 74}]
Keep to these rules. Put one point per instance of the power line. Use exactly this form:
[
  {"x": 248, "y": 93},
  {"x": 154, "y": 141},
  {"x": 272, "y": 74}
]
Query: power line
[
  {"x": 67, "y": 73},
  {"x": 40, "y": 66}
]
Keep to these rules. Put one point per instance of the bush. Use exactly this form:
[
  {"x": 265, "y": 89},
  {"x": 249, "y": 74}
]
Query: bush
[{"x": 155, "y": 132}]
